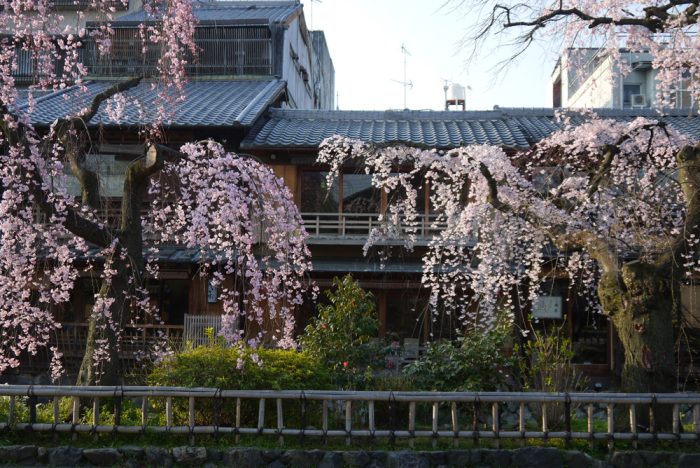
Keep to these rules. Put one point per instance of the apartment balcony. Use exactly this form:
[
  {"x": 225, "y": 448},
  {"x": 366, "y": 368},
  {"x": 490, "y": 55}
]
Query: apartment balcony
[
  {"x": 79, "y": 5},
  {"x": 221, "y": 51}
]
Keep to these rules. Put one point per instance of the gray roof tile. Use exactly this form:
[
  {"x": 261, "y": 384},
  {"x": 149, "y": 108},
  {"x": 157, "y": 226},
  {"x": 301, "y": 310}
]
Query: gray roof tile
[
  {"x": 511, "y": 128},
  {"x": 231, "y": 11},
  {"x": 207, "y": 103}
]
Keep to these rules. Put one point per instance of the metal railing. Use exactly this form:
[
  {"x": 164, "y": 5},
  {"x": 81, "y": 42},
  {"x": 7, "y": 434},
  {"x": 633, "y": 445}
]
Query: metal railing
[
  {"x": 225, "y": 50},
  {"x": 239, "y": 412},
  {"x": 87, "y": 4}
]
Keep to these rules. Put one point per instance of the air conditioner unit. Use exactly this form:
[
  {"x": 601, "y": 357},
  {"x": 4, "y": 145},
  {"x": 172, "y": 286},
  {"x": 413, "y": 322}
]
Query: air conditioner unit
[{"x": 638, "y": 100}]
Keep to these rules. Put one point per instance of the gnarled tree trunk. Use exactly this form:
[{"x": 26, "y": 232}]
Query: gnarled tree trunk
[{"x": 639, "y": 301}]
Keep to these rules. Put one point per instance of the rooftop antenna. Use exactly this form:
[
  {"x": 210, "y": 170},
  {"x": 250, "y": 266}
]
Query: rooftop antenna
[
  {"x": 405, "y": 83},
  {"x": 445, "y": 87},
  {"x": 311, "y": 13}
]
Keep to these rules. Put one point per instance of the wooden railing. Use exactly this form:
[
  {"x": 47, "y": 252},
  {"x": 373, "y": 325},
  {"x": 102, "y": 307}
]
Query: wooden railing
[
  {"x": 319, "y": 225},
  {"x": 359, "y": 224},
  {"x": 196, "y": 327},
  {"x": 214, "y": 411},
  {"x": 71, "y": 338}
]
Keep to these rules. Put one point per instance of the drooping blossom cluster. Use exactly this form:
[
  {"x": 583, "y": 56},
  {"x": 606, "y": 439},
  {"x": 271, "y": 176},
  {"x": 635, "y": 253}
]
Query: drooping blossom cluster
[
  {"x": 503, "y": 221},
  {"x": 242, "y": 222}
]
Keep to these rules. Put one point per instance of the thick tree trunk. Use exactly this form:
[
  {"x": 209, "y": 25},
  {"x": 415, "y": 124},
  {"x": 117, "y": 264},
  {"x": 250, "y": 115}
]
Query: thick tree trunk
[{"x": 640, "y": 304}]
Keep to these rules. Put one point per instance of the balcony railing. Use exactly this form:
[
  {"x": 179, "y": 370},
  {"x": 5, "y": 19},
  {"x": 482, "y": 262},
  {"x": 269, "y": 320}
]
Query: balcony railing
[
  {"x": 231, "y": 50},
  {"x": 71, "y": 338},
  {"x": 87, "y": 4},
  {"x": 360, "y": 225}
]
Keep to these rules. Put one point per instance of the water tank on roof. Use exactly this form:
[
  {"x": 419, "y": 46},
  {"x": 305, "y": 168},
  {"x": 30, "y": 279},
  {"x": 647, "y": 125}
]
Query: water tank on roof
[
  {"x": 455, "y": 92},
  {"x": 455, "y": 95}
]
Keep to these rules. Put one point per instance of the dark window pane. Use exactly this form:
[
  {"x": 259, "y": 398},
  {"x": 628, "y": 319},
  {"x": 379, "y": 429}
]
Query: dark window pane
[
  {"x": 359, "y": 196},
  {"x": 315, "y": 196}
]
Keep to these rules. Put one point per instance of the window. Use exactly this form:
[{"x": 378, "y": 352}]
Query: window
[
  {"x": 359, "y": 196},
  {"x": 627, "y": 91},
  {"x": 315, "y": 196}
]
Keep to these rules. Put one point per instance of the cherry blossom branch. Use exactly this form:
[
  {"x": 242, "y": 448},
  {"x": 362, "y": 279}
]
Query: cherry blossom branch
[
  {"x": 601, "y": 250},
  {"x": 688, "y": 159}
]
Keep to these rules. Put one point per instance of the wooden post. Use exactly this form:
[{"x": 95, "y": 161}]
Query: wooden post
[
  {"x": 370, "y": 410},
  {"x": 348, "y": 422},
  {"x": 280, "y": 422},
  {"x": 238, "y": 420},
  {"x": 191, "y": 419},
  {"x": 11, "y": 411},
  {"x": 589, "y": 414},
  {"x": 75, "y": 417},
  {"x": 495, "y": 424},
  {"x": 324, "y": 424},
  {"x": 521, "y": 423},
  {"x": 144, "y": 412},
  {"x": 435, "y": 423},
  {"x": 455, "y": 424},
  {"x": 633, "y": 424},
  {"x": 677, "y": 421},
  {"x": 545, "y": 426},
  {"x": 169, "y": 412},
  {"x": 611, "y": 425},
  {"x": 261, "y": 415},
  {"x": 95, "y": 414},
  {"x": 411, "y": 422}
]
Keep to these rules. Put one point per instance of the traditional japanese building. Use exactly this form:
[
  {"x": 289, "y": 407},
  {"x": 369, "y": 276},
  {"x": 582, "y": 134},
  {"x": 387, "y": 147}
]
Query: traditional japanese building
[{"x": 264, "y": 85}]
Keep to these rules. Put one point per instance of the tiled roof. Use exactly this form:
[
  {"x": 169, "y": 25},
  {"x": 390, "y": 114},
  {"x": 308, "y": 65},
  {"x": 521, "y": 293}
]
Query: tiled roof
[
  {"x": 206, "y": 104},
  {"x": 511, "y": 128},
  {"x": 231, "y": 11}
]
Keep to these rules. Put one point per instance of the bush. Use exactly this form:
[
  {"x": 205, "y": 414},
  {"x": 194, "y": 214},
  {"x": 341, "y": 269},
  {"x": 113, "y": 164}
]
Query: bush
[
  {"x": 242, "y": 369},
  {"x": 239, "y": 369},
  {"x": 474, "y": 362},
  {"x": 343, "y": 335}
]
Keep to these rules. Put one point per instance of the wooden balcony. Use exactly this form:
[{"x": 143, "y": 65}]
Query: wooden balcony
[{"x": 356, "y": 227}]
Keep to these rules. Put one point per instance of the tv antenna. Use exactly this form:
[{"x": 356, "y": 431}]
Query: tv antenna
[
  {"x": 311, "y": 12},
  {"x": 405, "y": 83}
]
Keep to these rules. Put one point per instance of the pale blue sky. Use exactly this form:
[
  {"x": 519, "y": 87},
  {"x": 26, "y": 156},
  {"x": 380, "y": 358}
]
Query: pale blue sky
[{"x": 365, "y": 37}]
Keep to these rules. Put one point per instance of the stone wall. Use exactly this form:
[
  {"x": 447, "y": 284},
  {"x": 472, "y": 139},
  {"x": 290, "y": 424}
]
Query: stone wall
[{"x": 135, "y": 456}]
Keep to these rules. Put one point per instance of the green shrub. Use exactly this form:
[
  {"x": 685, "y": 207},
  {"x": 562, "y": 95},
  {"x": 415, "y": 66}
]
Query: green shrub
[
  {"x": 475, "y": 361},
  {"x": 238, "y": 369},
  {"x": 343, "y": 335},
  {"x": 233, "y": 368}
]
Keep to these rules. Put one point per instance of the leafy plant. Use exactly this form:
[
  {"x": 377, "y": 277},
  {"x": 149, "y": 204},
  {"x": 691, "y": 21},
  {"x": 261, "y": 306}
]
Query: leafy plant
[
  {"x": 546, "y": 366},
  {"x": 241, "y": 368},
  {"x": 343, "y": 335},
  {"x": 475, "y": 361}
]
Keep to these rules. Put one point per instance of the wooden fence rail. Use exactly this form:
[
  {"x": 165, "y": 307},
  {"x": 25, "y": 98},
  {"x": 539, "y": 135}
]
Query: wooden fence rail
[{"x": 262, "y": 412}]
